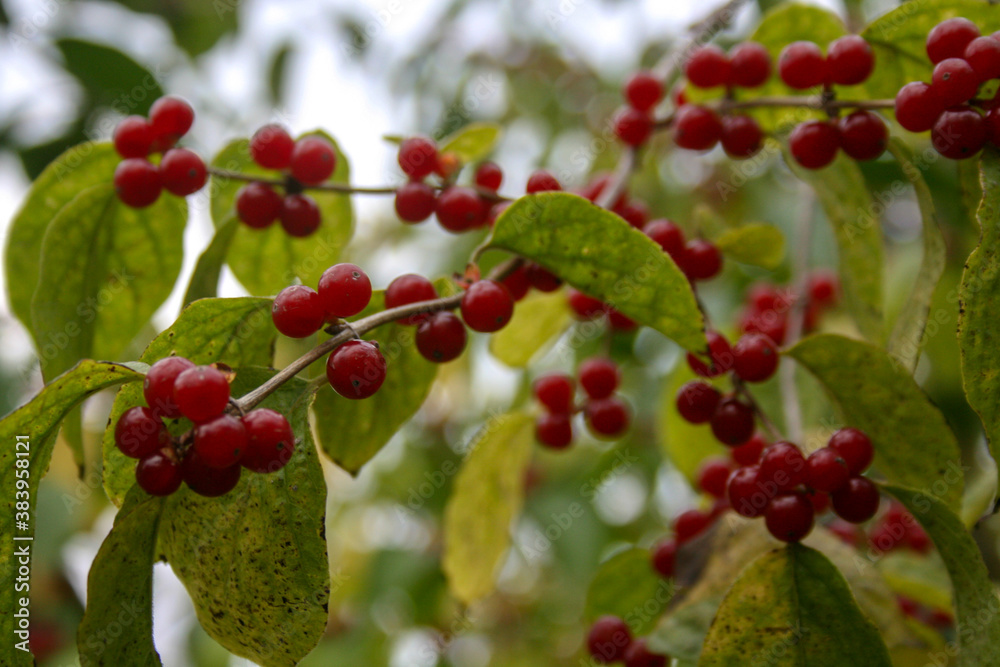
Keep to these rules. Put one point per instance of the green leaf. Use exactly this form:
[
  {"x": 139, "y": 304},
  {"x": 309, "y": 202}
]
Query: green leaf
[
  {"x": 538, "y": 320},
  {"x": 197, "y": 25},
  {"x": 471, "y": 143},
  {"x": 627, "y": 586},
  {"x": 920, "y": 577},
  {"x": 277, "y": 71},
  {"x": 120, "y": 585},
  {"x": 842, "y": 192},
  {"x": 237, "y": 332},
  {"x": 682, "y": 633},
  {"x": 685, "y": 444},
  {"x": 602, "y": 255},
  {"x": 979, "y": 298},
  {"x": 254, "y": 560},
  {"x": 913, "y": 444},
  {"x": 487, "y": 496},
  {"x": 38, "y": 421},
  {"x": 755, "y": 243},
  {"x": 76, "y": 170},
  {"x": 267, "y": 260},
  {"x": 976, "y": 603},
  {"x": 205, "y": 278},
  {"x": 792, "y": 607},
  {"x": 110, "y": 77}
]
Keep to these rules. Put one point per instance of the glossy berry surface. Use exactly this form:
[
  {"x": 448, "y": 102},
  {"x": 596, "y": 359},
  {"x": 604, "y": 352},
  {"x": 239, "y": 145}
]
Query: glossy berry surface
[
  {"x": 271, "y": 147},
  {"x": 790, "y": 516},
  {"x": 854, "y": 447},
  {"x": 313, "y": 160},
  {"x": 702, "y": 260},
  {"x": 220, "y": 442},
  {"x": 599, "y": 377},
  {"x": 801, "y": 65},
  {"x": 158, "y": 385},
  {"x": 917, "y": 106},
  {"x": 857, "y": 501},
  {"x": 517, "y": 282},
  {"x": 459, "y": 208},
  {"x": 415, "y": 201},
  {"x": 983, "y": 55},
  {"x": 863, "y": 135},
  {"x": 417, "y": 157},
  {"x": 826, "y": 470},
  {"x": 344, "y": 290},
  {"x": 696, "y": 128},
  {"x": 814, "y": 143},
  {"x": 270, "y": 441},
  {"x": 608, "y": 638},
  {"x": 668, "y": 235},
  {"x": 696, "y": 402},
  {"x": 733, "y": 422},
  {"x": 170, "y": 118},
  {"x": 707, "y": 67},
  {"x": 638, "y": 655},
  {"x": 632, "y": 126},
  {"x": 356, "y": 369},
  {"x": 441, "y": 337},
  {"x": 643, "y": 91},
  {"x": 954, "y": 81},
  {"x": 487, "y": 306},
  {"x": 755, "y": 357},
  {"x": 201, "y": 393},
  {"x": 299, "y": 215},
  {"x": 959, "y": 133},
  {"x": 207, "y": 481},
  {"x": 850, "y": 60},
  {"x": 158, "y": 475},
  {"x": 541, "y": 180},
  {"x": 949, "y": 38},
  {"x": 133, "y": 137},
  {"x": 556, "y": 392},
  {"x": 140, "y": 432},
  {"x": 719, "y": 352},
  {"x": 258, "y": 205},
  {"x": 783, "y": 464},
  {"x": 664, "y": 557},
  {"x": 749, "y": 65},
  {"x": 407, "y": 289},
  {"x": 183, "y": 172},
  {"x": 745, "y": 494},
  {"x": 690, "y": 524},
  {"x": 749, "y": 453},
  {"x": 554, "y": 430},
  {"x": 138, "y": 182},
  {"x": 608, "y": 417},
  {"x": 741, "y": 136},
  {"x": 489, "y": 176},
  {"x": 713, "y": 476},
  {"x": 541, "y": 278},
  {"x": 298, "y": 311}
]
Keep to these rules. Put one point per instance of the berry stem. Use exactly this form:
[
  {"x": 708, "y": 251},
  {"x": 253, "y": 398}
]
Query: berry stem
[{"x": 741, "y": 389}]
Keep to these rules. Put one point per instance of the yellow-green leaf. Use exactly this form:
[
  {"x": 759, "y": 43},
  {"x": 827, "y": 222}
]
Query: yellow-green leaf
[
  {"x": 627, "y": 586},
  {"x": 471, "y": 143},
  {"x": 538, "y": 320},
  {"x": 755, "y": 243}
]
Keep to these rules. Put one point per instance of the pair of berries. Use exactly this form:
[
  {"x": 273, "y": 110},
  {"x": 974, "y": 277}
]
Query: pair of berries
[
  {"x": 634, "y": 123},
  {"x": 732, "y": 421},
  {"x": 609, "y": 640},
  {"x": 300, "y": 311},
  {"x": 698, "y": 258},
  {"x": 754, "y": 358},
  {"x": 849, "y": 61},
  {"x": 699, "y": 128},
  {"x": 308, "y": 161},
  {"x": 209, "y": 458},
  {"x": 587, "y": 308},
  {"x": 607, "y": 415},
  {"x": 138, "y": 182},
  {"x": 767, "y": 306},
  {"x": 527, "y": 275},
  {"x": 747, "y": 65},
  {"x": 862, "y": 135}
]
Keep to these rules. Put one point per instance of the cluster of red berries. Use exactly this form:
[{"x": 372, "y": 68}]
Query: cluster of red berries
[
  {"x": 606, "y": 414},
  {"x": 308, "y": 161},
  {"x": 698, "y": 258},
  {"x": 767, "y": 306},
  {"x": 139, "y": 182},
  {"x": 633, "y": 123},
  {"x": 895, "y": 529},
  {"x": 610, "y": 641},
  {"x": 963, "y": 61},
  {"x": 210, "y": 456}
]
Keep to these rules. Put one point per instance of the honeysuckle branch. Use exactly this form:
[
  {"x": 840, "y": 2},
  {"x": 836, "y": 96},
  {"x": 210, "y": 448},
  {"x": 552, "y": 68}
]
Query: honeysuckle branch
[{"x": 819, "y": 102}]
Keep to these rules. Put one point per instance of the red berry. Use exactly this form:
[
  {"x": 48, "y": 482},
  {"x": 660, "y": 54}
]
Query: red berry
[
  {"x": 713, "y": 477},
  {"x": 459, "y": 208},
  {"x": 487, "y": 306},
  {"x": 607, "y": 417},
  {"x": 270, "y": 441},
  {"x": 541, "y": 278},
  {"x": 554, "y": 430},
  {"x": 741, "y": 136},
  {"x": 299, "y": 215},
  {"x": 183, "y": 172},
  {"x": 696, "y": 128},
  {"x": 207, "y": 481},
  {"x": 826, "y": 470},
  {"x": 814, "y": 143},
  {"x": 733, "y": 422},
  {"x": 690, "y": 524},
  {"x": 133, "y": 137},
  {"x": 983, "y": 55},
  {"x": 415, "y": 201},
  {"x": 664, "y": 557},
  {"x": 170, "y": 118},
  {"x": 632, "y": 126},
  {"x": 541, "y": 181},
  {"x": 755, "y": 357},
  {"x": 643, "y": 91},
  {"x": 441, "y": 337},
  {"x": 749, "y": 452},
  {"x": 220, "y": 442},
  {"x": 635, "y": 213},
  {"x": 344, "y": 290},
  {"x": 950, "y": 38},
  {"x": 517, "y": 282},
  {"x": 620, "y": 322},
  {"x": 489, "y": 176},
  {"x": 407, "y": 289},
  {"x": 696, "y": 402},
  {"x": 702, "y": 260},
  {"x": 707, "y": 67},
  {"x": 857, "y": 501},
  {"x": 854, "y": 447},
  {"x": 718, "y": 351},
  {"x": 954, "y": 81},
  {"x": 140, "y": 432},
  {"x": 556, "y": 392},
  {"x": 599, "y": 377},
  {"x": 993, "y": 126},
  {"x": 746, "y": 496},
  {"x": 201, "y": 393},
  {"x": 801, "y": 65},
  {"x": 271, "y": 147},
  {"x": 583, "y": 306},
  {"x": 258, "y": 205},
  {"x": 749, "y": 65},
  {"x": 863, "y": 135},
  {"x": 959, "y": 133},
  {"x": 608, "y": 638},
  {"x": 783, "y": 464},
  {"x": 918, "y": 106},
  {"x": 158, "y": 475},
  {"x": 356, "y": 369},
  {"x": 158, "y": 387},
  {"x": 850, "y": 60},
  {"x": 790, "y": 516},
  {"x": 918, "y": 539},
  {"x": 137, "y": 182},
  {"x": 417, "y": 157},
  {"x": 313, "y": 160},
  {"x": 298, "y": 311},
  {"x": 638, "y": 655},
  {"x": 668, "y": 235}
]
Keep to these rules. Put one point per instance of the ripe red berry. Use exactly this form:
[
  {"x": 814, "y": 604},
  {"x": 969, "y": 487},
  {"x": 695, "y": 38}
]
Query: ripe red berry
[
  {"x": 749, "y": 65},
  {"x": 607, "y": 417},
  {"x": 668, "y": 235},
  {"x": 983, "y": 55},
  {"x": 555, "y": 391},
  {"x": 697, "y": 401},
  {"x": 850, "y": 60},
  {"x": 917, "y": 106},
  {"x": 517, "y": 282},
  {"x": 638, "y": 655},
  {"x": 599, "y": 377},
  {"x": 854, "y": 447},
  {"x": 459, "y": 208},
  {"x": 826, "y": 470},
  {"x": 140, "y": 432},
  {"x": 784, "y": 465},
  {"x": 487, "y": 306},
  {"x": 489, "y": 176},
  {"x": 407, "y": 289},
  {"x": 270, "y": 441},
  {"x": 959, "y": 133},
  {"x": 820, "y": 501},
  {"x": 733, "y": 422},
  {"x": 137, "y": 182},
  {"x": 207, "y": 481},
  {"x": 133, "y": 137},
  {"x": 541, "y": 181},
  {"x": 801, "y": 65},
  {"x": 814, "y": 143},
  {"x": 158, "y": 475},
  {"x": 632, "y": 126},
  {"x": 183, "y": 172},
  {"x": 950, "y": 38},
  {"x": 714, "y": 475},
  {"x": 718, "y": 351},
  {"x": 993, "y": 126},
  {"x": 702, "y": 260},
  {"x": 201, "y": 393},
  {"x": 755, "y": 357},
  {"x": 271, "y": 147},
  {"x": 643, "y": 91},
  {"x": 258, "y": 205},
  {"x": 170, "y": 118},
  {"x": 554, "y": 430},
  {"x": 313, "y": 160},
  {"x": 541, "y": 278},
  {"x": 749, "y": 452},
  {"x": 344, "y": 290},
  {"x": 746, "y": 496},
  {"x": 863, "y": 135},
  {"x": 583, "y": 306},
  {"x": 690, "y": 524},
  {"x": 696, "y": 128},
  {"x": 857, "y": 501},
  {"x": 707, "y": 67},
  {"x": 356, "y": 369},
  {"x": 417, "y": 157},
  {"x": 158, "y": 386},
  {"x": 220, "y": 442},
  {"x": 954, "y": 81},
  {"x": 298, "y": 311},
  {"x": 608, "y": 638},
  {"x": 441, "y": 337},
  {"x": 741, "y": 136},
  {"x": 415, "y": 201},
  {"x": 635, "y": 213},
  {"x": 664, "y": 557},
  {"x": 299, "y": 215},
  {"x": 790, "y": 516}
]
